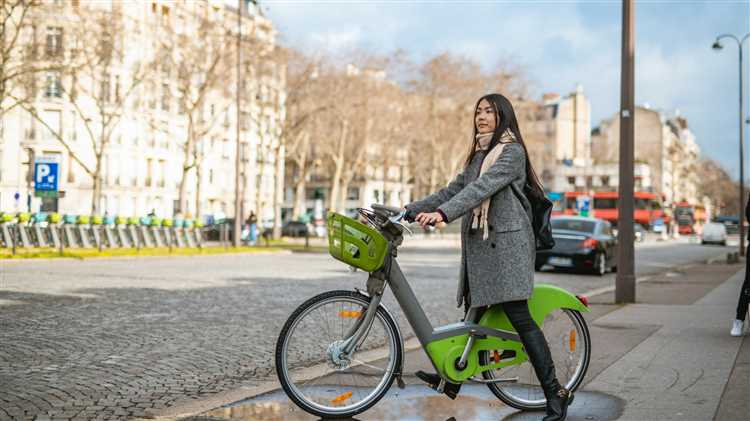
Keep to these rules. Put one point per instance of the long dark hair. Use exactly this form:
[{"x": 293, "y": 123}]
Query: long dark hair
[{"x": 505, "y": 118}]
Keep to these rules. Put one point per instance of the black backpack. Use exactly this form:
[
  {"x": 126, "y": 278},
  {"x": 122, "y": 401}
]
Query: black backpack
[{"x": 541, "y": 211}]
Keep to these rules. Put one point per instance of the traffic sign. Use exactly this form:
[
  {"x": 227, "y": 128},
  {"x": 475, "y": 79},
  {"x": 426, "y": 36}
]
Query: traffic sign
[{"x": 46, "y": 172}]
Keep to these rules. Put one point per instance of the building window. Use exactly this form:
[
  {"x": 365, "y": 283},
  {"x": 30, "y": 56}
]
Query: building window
[
  {"x": 572, "y": 181},
  {"x": 53, "y": 88},
  {"x": 352, "y": 193},
  {"x": 104, "y": 88},
  {"x": 117, "y": 89},
  {"x": 166, "y": 97},
  {"x": 162, "y": 172},
  {"x": 210, "y": 176},
  {"x": 149, "y": 171},
  {"x": 53, "y": 47},
  {"x": 605, "y": 180}
]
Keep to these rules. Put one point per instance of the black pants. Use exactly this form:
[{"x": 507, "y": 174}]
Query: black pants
[
  {"x": 518, "y": 314},
  {"x": 745, "y": 291},
  {"x": 534, "y": 343}
]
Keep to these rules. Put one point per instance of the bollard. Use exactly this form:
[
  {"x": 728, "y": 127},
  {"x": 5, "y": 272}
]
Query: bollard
[
  {"x": 60, "y": 243},
  {"x": 307, "y": 239}
]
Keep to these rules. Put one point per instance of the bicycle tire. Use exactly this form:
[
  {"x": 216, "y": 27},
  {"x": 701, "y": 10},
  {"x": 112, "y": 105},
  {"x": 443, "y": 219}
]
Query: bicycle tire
[
  {"x": 498, "y": 389},
  {"x": 388, "y": 323}
]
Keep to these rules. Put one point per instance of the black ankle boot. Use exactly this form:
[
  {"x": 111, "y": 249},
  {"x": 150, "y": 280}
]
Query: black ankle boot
[
  {"x": 557, "y": 405},
  {"x": 558, "y": 398},
  {"x": 433, "y": 380}
]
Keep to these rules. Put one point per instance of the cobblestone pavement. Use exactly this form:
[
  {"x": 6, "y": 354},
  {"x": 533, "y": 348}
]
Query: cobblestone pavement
[{"x": 117, "y": 338}]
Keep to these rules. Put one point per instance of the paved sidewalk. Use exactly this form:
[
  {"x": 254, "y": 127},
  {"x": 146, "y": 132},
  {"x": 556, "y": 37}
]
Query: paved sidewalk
[
  {"x": 689, "y": 368},
  {"x": 668, "y": 357}
]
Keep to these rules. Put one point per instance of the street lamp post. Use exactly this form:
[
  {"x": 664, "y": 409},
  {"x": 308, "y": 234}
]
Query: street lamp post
[
  {"x": 717, "y": 46},
  {"x": 625, "y": 280}
]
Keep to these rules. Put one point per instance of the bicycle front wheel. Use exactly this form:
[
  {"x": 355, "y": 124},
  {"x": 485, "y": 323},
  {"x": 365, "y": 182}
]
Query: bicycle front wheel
[
  {"x": 570, "y": 345},
  {"x": 313, "y": 372}
]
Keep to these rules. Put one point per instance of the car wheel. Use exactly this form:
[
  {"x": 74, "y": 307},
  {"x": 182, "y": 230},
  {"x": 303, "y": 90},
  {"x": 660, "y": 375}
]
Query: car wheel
[
  {"x": 724, "y": 243},
  {"x": 600, "y": 264},
  {"x": 538, "y": 266}
]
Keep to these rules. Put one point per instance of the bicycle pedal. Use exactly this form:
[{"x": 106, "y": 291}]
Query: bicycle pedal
[{"x": 451, "y": 390}]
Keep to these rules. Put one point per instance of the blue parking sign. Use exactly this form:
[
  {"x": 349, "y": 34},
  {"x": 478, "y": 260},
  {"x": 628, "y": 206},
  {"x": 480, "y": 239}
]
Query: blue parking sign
[{"x": 45, "y": 176}]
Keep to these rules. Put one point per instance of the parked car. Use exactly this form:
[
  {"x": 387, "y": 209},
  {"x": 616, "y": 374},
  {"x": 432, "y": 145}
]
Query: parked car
[
  {"x": 639, "y": 232},
  {"x": 295, "y": 229},
  {"x": 714, "y": 233},
  {"x": 581, "y": 242},
  {"x": 732, "y": 223}
]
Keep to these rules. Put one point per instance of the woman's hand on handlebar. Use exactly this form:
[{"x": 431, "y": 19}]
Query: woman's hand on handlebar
[{"x": 430, "y": 218}]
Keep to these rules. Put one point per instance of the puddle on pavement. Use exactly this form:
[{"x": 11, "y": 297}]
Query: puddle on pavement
[{"x": 418, "y": 403}]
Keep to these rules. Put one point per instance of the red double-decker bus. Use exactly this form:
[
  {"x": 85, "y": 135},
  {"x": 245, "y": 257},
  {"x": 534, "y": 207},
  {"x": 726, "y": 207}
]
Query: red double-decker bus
[{"x": 647, "y": 207}]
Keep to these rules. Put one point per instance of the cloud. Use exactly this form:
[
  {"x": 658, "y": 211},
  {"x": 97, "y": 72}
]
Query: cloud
[{"x": 560, "y": 44}]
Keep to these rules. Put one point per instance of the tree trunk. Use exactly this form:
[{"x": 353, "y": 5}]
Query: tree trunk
[
  {"x": 299, "y": 196},
  {"x": 198, "y": 190},
  {"x": 433, "y": 173},
  {"x": 338, "y": 162},
  {"x": 259, "y": 182},
  {"x": 278, "y": 191},
  {"x": 97, "y": 191},
  {"x": 301, "y": 183},
  {"x": 344, "y": 189},
  {"x": 186, "y": 166}
]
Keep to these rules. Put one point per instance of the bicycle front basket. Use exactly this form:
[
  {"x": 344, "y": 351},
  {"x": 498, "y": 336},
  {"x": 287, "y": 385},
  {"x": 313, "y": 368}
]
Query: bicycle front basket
[{"x": 355, "y": 243}]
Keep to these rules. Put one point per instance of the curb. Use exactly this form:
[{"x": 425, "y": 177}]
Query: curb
[
  {"x": 196, "y": 407},
  {"x": 134, "y": 257}
]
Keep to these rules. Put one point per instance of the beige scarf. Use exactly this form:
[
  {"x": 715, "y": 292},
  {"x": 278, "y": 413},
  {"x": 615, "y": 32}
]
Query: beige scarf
[{"x": 483, "y": 143}]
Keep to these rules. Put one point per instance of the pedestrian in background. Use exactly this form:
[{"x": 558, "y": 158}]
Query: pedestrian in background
[
  {"x": 252, "y": 222},
  {"x": 742, "y": 305}
]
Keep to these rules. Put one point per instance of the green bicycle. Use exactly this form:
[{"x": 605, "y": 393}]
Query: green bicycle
[{"x": 339, "y": 352}]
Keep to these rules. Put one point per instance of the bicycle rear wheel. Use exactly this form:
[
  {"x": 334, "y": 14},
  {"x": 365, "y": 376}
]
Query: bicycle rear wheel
[
  {"x": 570, "y": 345},
  {"x": 313, "y": 372}
]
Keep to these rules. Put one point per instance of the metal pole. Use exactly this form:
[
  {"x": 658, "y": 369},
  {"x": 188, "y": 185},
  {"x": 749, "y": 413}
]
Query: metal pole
[
  {"x": 237, "y": 163},
  {"x": 742, "y": 166},
  {"x": 625, "y": 282}
]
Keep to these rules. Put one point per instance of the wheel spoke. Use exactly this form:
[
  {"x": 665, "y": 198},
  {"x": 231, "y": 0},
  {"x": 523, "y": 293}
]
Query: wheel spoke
[{"x": 344, "y": 385}]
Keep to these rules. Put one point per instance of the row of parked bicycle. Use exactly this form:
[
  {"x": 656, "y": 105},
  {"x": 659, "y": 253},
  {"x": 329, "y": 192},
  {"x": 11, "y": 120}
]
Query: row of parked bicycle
[{"x": 83, "y": 231}]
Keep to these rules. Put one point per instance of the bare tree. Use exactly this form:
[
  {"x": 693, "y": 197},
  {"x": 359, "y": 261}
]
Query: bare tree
[
  {"x": 201, "y": 58},
  {"x": 19, "y": 50},
  {"x": 99, "y": 81},
  {"x": 715, "y": 182}
]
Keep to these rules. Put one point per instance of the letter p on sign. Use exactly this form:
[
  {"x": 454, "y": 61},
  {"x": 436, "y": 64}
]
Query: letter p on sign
[{"x": 42, "y": 172}]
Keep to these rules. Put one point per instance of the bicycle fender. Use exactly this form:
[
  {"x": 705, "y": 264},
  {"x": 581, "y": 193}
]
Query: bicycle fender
[{"x": 544, "y": 299}]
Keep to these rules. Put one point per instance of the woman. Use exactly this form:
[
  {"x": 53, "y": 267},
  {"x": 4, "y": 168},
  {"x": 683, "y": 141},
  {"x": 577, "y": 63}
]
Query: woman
[{"x": 497, "y": 240}]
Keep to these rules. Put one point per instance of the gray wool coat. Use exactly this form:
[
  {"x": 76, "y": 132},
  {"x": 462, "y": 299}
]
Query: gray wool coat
[{"x": 501, "y": 268}]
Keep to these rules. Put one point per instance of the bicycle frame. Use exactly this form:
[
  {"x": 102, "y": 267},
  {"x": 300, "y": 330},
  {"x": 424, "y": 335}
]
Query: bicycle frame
[{"x": 454, "y": 349}]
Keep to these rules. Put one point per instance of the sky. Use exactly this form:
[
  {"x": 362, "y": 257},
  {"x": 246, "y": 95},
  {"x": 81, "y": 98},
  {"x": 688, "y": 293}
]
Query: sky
[{"x": 560, "y": 44}]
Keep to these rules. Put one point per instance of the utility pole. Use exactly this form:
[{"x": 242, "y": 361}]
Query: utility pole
[
  {"x": 237, "y": 161},
  {"x": 717, "y": 46},
  {"x": 625, "y": 282}
]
